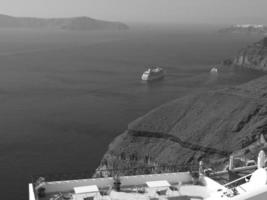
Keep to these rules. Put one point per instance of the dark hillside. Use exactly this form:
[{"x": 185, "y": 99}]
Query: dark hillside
[{"x": 207, "y": 126}]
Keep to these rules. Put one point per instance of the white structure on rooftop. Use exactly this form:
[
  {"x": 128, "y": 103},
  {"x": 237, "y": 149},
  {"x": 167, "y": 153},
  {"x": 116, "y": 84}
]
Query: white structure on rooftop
[{"x": 86, "y": 192}]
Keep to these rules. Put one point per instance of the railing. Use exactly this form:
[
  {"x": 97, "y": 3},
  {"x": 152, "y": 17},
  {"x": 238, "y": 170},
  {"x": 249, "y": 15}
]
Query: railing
[
  {"x": 238, "y": 169},
  {"x": 237, "y": 181}
]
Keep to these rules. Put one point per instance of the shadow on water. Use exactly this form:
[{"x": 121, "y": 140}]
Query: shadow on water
[
  {"x": 153, "y": 83},
  {"x": 212, "y": 78}
]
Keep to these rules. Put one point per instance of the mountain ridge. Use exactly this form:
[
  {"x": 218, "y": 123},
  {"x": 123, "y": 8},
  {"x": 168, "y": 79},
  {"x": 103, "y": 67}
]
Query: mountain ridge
[{"x": 71, "y": 23}]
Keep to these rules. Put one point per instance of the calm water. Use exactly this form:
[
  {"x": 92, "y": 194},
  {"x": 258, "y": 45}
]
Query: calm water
[{"x": 65, "y": 95}]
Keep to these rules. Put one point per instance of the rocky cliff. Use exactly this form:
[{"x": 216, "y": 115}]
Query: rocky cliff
[
  {"x": 207, "y": 126},
  {"x": 253, "y": 56},
  {"x": 75, "y": 23}
]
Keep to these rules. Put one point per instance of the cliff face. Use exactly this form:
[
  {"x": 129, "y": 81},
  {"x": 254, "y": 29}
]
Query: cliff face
[
  {"x": 202, "y": 126},
  {"x": 253, "y": 56},
  {"x": 75, "y": 23},
  {"x": 208, "y": 126}
]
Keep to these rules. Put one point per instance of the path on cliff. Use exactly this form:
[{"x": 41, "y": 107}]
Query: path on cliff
[{"x": 194, "y": 147}]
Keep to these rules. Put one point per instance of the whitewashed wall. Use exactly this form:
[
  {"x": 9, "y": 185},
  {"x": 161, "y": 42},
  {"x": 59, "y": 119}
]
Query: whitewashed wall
[{"x": 63, "y": 186}]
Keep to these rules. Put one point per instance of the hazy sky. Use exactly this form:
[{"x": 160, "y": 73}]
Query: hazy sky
[{"x": 180, "y": 11}]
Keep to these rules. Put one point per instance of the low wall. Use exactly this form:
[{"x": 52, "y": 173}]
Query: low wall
[{"x": 64, "y": 186}]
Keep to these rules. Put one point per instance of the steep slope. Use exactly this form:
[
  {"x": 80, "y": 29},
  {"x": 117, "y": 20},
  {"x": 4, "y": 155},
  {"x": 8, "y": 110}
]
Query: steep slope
[
  {"x": 203, "y": 126},
  {"x": 75, "y": 23},
  {"x": 253, "y": 57}
]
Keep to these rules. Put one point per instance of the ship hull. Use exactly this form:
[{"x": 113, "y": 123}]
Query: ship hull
[
  {"x": 153, "y": 74},
  {"x": 152, "y": 78}
]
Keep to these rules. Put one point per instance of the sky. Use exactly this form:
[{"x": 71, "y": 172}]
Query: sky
[{"x": 146, "y": 11}]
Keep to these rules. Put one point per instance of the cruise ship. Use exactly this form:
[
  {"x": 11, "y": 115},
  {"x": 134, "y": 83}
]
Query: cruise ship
[
  {"x": 154, "y": 73},
  {"x": 187, "y": 185}
]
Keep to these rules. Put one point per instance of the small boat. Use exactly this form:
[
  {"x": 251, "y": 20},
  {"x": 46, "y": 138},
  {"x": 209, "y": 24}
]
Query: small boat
[
  {"x": 214, "y": 70},
  {"x": 154, "y": 73}
]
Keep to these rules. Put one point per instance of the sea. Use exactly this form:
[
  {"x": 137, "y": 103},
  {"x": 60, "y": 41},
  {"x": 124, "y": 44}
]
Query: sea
[{"x": 65, "y": 95}]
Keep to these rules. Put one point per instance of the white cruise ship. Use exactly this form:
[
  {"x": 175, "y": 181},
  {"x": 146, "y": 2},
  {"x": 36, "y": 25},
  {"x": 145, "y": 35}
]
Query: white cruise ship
[
  {"x": 214, "y": 70},
  {"x": 165, "y": 186},
  {"x": 153, "y": 74}
]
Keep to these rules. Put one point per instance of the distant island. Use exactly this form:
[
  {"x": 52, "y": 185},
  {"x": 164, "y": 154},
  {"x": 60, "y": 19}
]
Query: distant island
[
  {"x": 74, "y": 23},
  {"x": 245, "y": 29}
]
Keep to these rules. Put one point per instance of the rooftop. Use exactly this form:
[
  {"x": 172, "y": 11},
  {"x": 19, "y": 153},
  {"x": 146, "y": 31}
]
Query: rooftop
[
  {"x": 164, "y": 186},
  {"x": 143, "y": 187}
]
